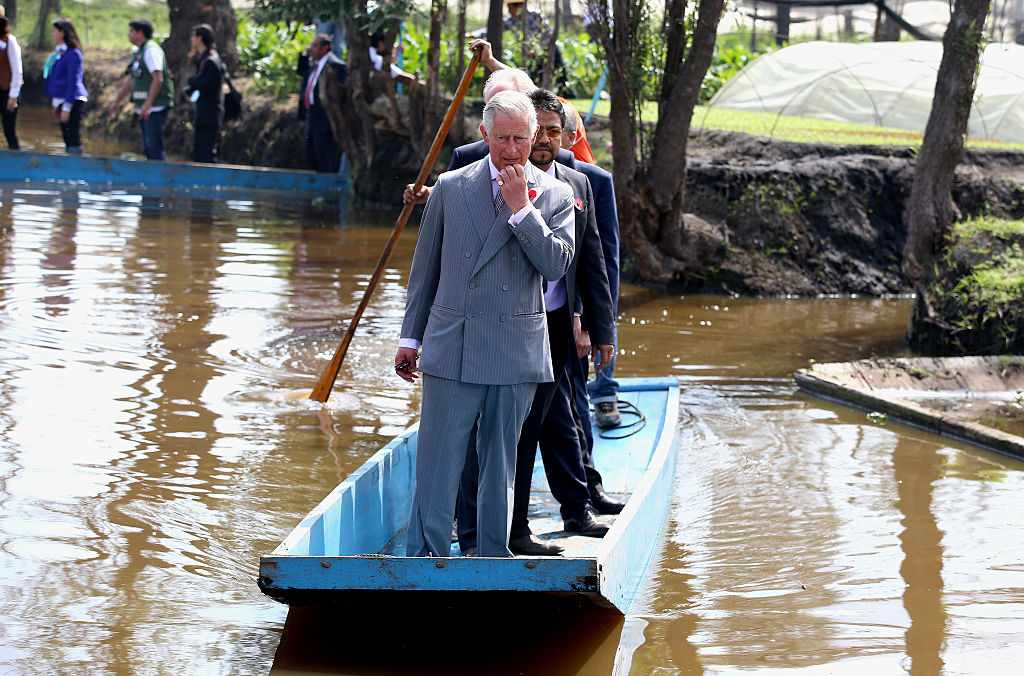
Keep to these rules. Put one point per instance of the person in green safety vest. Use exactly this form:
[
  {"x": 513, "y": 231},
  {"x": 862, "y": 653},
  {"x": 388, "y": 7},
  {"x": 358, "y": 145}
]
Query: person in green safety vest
[{"x": 150, "y": 86}]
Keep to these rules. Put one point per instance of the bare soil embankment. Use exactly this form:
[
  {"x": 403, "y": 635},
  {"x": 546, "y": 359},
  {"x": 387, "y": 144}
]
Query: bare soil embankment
[
  {"x": 770, "y": 218},
  {"x": 779, "y": 218}
]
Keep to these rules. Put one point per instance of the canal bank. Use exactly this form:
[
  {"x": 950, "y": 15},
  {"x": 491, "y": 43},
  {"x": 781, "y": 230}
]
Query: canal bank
[
  {"x": 767, "y": 217},
  {"x": 977, "y": 400}
]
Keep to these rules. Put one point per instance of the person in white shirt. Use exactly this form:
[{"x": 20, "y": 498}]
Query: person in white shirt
[
  {"x": 150, "y": 86},
  {"x": 10, "y": 82},
  {"x": 377, "y": 49}
]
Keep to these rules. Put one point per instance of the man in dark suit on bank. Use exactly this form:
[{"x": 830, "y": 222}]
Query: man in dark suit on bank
[
  {"x": 584, "y": 287},
  {"x": 321, "y": 146}
]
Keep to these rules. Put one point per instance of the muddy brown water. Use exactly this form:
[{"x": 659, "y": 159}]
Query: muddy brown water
[
  {"x": 152, "y": 447},
  {"x": 39, "y": 132}
]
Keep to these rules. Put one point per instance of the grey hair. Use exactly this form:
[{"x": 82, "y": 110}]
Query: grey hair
[
  {"x": 508, "y": 78},
  {"x": 514, "y": 104}
]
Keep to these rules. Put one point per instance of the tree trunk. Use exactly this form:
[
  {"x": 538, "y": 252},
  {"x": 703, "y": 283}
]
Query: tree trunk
[
  {"x": 357, "y": 139},
  {"x": 890, "y": 29},
  {"x": 524, "y": 35},
  {"x": 930, "y": 210},
  {"x": 42, "y": 37},
  {"x": 782, "y": 22},
  {"x": 438, "y": 16},
  {"x": 549, "y": 58},
  {"x": 184, "y": 16},
  {"x": 460, "y": 117},
  {"x": 651, "y": 189},
  {"x": 495, "y": 17}
]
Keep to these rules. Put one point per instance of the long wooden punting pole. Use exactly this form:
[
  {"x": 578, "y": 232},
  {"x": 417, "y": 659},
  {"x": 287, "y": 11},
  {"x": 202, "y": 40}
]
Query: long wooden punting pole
[{"x": 323, "y": 388}]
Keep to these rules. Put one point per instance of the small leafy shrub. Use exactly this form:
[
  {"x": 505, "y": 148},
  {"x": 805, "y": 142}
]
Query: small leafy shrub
[{"x": 269, "y": 54}]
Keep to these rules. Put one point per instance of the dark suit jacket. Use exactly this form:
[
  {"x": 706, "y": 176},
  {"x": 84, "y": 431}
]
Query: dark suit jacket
[
  {"x": 587, "y": 279},
  {"x": 209, "y": 82},
  {"x": 607, "y": 218},
  {"x": 592, "y": 295},
  {"x": 318, "y": 120}
]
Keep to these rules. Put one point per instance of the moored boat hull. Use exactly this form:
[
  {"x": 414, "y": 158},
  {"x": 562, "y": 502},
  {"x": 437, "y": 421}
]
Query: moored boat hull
[{"x": 31, "y": 167}]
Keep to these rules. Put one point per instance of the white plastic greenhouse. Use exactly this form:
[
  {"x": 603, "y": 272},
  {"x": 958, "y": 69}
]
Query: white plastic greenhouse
[{"x": 888, "y": 84}]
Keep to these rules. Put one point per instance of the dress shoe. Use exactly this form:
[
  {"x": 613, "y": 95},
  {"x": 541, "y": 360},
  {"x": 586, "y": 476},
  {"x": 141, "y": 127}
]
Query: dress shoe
[
  {"x": 470, "y": 551},
  {"x": 586, "y": 524},
  {"x": 605, "y": 504},
  {"x": 527, "y": 545},
  {"x": 607, "y": 414}
]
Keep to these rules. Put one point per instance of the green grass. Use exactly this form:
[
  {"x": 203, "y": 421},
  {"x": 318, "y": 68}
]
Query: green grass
[
  {"x": 100, "y": 23},
  {"x": 798, "y": 129},
  {"x": 998, "y": 280},
  {"x": 998, "y": 227}
]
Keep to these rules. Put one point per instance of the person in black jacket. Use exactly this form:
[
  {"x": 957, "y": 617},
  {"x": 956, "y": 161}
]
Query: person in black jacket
[
  {"x": 206, "y": 89},
  {"x": 322, "y": 148}
]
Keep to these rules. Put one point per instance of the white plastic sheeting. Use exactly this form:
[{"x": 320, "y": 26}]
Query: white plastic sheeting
[{"x": 889, "y": 84}]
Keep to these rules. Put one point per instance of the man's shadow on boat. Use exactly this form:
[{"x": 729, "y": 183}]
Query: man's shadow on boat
[{"x": 514, "y": 633}]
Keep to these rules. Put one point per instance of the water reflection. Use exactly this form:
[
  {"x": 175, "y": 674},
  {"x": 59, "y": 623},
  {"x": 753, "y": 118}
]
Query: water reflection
[
  {"x": 152, "y": 446},
  {"x": 38, "y": 132},
  {"x": 921, "y": 540},
  {"x": 435, "y": 636}
]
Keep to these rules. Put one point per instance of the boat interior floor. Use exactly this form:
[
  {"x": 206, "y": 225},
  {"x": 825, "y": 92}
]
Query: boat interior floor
[{"x": 545, "y": 524}]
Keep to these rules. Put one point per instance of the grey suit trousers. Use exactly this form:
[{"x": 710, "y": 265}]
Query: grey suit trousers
[{"x": 449, "y": 410}]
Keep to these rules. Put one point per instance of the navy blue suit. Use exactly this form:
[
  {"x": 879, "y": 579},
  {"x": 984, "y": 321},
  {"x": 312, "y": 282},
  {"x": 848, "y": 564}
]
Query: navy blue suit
[
  {"x": 321, "y": 146},
  {"x": 603, "y": 387}
]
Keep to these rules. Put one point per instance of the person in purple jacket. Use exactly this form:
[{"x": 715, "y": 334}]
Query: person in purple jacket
[{"x": 64, "y": 84}]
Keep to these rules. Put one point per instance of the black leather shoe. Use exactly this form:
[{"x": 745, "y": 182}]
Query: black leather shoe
[
  {"x": 605, "y": 504},
  {"x": 586, "y": 524},
  {"x": 470, "y": 551},
  {"x": 527, "y": 545}
]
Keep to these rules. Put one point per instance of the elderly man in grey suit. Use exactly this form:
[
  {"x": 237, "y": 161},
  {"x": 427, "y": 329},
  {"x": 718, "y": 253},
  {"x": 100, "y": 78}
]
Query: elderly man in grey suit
[{"x": 491, "y": 234}]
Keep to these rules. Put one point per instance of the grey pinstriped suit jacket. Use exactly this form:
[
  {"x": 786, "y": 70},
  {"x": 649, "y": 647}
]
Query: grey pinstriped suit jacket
[{"x": 475, "y": 300}]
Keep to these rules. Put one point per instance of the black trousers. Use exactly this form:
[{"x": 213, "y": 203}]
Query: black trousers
[
  {"x": 552, "y": 404},
  {"x": 581, "y": 404},
  {"x": 322, "y": 150},
  {"x": 10, "y": 119},
  {"x": 71, "y": 130},
  {"x": 204, "y": 144}
]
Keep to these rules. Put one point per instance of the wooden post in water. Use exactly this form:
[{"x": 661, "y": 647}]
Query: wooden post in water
[{"x": 323, "y": 387}]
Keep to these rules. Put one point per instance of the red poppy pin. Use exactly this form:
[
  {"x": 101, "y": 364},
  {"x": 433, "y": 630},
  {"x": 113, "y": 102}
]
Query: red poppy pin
[
  {"x": 580, "y": 205},
  {"x": 532, "y": 194}
]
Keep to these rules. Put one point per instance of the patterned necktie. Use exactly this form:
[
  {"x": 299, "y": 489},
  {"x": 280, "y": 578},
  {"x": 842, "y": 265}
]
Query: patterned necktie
[{"x": 499, "y": 202}]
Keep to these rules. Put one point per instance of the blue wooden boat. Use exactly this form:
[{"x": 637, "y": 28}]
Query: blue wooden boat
[
  {"x": 32, "y": 167},
  {"x": 352, "y": 544}
]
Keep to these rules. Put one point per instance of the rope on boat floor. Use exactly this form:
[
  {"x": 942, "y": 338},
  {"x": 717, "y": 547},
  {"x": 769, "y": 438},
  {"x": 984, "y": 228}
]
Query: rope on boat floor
[{"x": 624, "y": 430}]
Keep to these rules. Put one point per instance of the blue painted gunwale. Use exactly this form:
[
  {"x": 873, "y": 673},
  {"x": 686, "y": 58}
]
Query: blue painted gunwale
[
  {"x": 32, "y": 167},
  {"x": 341, "y": 545}
]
